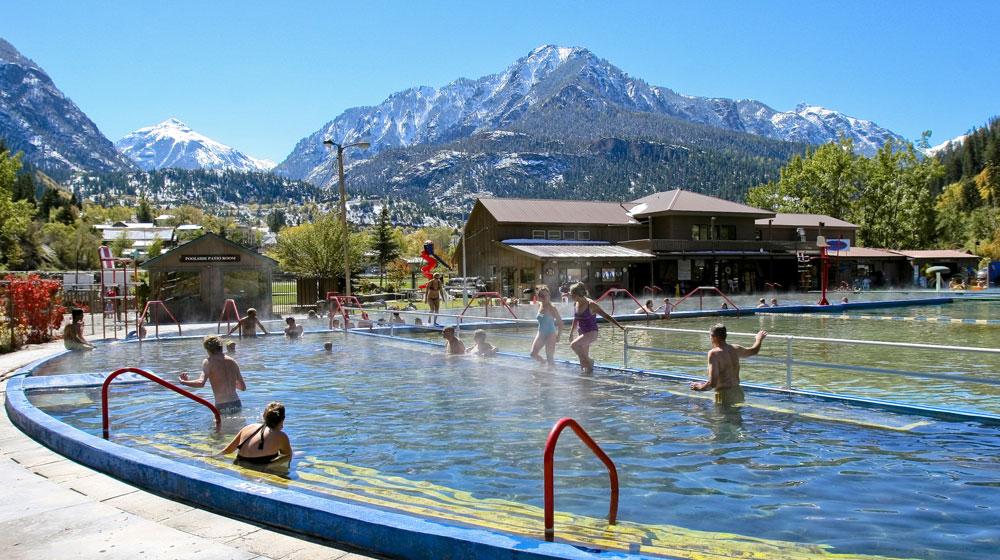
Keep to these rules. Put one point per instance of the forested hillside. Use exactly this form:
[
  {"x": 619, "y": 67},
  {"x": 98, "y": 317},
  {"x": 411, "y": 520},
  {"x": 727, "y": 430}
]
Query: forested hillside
[{"x": 968, "y": 192}]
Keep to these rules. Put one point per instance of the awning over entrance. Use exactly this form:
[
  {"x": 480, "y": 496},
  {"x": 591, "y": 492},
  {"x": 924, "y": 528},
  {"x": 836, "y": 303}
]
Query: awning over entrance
[{"x": 585, "y": 250}]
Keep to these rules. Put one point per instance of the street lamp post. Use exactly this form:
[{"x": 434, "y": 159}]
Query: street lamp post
[{"x": 343, "y": 205}]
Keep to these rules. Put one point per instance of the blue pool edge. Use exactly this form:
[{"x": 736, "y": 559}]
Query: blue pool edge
[{"x": 361, "y": 527}]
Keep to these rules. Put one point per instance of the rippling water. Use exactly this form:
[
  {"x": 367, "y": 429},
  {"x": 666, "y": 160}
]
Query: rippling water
[{"x": 860, "y": 480}]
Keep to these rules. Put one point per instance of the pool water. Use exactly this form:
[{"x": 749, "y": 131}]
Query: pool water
[
  {"x": 955, "y": 387},
  {"x": 398, "y": 425}
]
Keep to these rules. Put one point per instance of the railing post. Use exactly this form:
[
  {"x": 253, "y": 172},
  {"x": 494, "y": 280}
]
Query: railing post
[
  {"x": 548, "y": 468},
  {"x": 625, "y": 348},
  {"x": 788, "y": 363}
]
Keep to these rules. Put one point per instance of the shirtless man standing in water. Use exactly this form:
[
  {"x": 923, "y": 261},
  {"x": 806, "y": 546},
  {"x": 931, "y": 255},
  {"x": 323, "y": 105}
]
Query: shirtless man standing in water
[
  {"x": 222, "y": 373},
  {"x": 248, "y": 325},
  {"x": 724, "y": 366}
]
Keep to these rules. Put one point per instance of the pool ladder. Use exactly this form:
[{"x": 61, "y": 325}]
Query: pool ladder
[
  {"x": 107, "y": 385},
  {"x": 550, "y": 449}
]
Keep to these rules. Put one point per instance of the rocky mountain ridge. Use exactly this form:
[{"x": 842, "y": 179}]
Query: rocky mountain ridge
[{"x": 38, "y": 119}]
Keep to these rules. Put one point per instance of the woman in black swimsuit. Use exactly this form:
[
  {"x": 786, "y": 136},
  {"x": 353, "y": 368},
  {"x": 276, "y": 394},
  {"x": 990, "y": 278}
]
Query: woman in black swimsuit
[{"x": 260, "y": 444}]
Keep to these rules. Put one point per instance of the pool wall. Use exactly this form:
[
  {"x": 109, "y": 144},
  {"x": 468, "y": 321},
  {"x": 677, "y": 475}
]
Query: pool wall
[{"x": 355, "y": 525}]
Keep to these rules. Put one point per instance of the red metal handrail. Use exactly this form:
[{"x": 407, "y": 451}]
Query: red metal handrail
[
  {"x": 488, "y": 295},
  {"x": 550, "y": 449},
  {"x": 150, "y": 305},
  {"x": 700, "y": 290},
  {"x": 229, "y": 304},
  {"x": 107, "y": 385},
  {"x": 615, "y": 291},
  {"x": 340, "y": 300}
]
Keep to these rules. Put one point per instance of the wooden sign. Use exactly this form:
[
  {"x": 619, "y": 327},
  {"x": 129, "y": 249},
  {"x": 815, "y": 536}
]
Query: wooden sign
[{"x": 210, "y": 258}]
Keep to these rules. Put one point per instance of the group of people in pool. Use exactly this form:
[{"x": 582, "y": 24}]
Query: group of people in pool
[
  {"x": 264, "y": 442},
  {"x": 550, "y": 327}
]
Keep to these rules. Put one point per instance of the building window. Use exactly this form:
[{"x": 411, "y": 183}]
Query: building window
[
  {"x": 569, "y": 235},
  {"x": 572, "y": 275},
  {"x": 611, "y": 274},
  {"x": 555, "y": 234},
  {"x": 583, "y": 235},
  {"x": 725, "y": 232},
  {"x": 538, "y": 234},
  {"x": 699, "y": 232}
]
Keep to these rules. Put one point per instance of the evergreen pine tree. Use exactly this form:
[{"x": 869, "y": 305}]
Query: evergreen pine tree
[
  {"x": 383, "y": 242},
  {"x": 144, "y": 214}
]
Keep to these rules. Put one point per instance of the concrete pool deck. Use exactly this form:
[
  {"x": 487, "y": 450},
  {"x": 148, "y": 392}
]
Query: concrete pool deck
[{"x": 53, "y": 507}]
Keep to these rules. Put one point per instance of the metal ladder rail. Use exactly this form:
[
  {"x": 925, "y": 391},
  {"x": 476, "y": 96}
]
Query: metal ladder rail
[
  {"x": 700, "y": 290},
  {"x": 486, "y": 296},
  {"x": 105, "y": 418},
  {"x": 229, "y": 304},
  {"x": 151, "y": 305},
  {"x": 615, "y": 291},
  {"x": 550, "y": 448}
]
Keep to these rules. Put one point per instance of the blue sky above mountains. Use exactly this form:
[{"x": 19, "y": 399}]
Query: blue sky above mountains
[{"x": 261, "y": 76}]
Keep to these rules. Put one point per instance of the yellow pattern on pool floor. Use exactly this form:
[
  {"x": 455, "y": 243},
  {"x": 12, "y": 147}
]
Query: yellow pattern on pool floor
[{"x": 367, "y": 486}]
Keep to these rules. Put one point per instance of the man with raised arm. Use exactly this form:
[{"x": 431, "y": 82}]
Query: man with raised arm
[
  {"x": 222, "y": 373},
  {"x": 724, "y": 366}
]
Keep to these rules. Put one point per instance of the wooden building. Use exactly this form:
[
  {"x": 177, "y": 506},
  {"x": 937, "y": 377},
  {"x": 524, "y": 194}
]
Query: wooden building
[
  {"x": 515, "y": 244},
  {"x": 195, "y": 279}
]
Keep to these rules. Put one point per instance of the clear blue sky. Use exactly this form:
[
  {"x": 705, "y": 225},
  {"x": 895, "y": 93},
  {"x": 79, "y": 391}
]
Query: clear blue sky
[{"x": 260, "y": 75}]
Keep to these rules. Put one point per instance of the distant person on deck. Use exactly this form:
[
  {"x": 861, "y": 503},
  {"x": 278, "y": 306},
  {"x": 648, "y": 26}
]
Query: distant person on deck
[
  {"x": 774, "y": 302},
  {"x": 248, "y": 325},
  {"x": 263, "y": 443},
  {"x": 222, "y": 373},
  {"x": 724, "y": 366},
  {"x": 452, "y": 344},
  {"x": 433, "y": 295},
  {"x": 73, "y": 333},
  {"x": 761, "y": 303}
]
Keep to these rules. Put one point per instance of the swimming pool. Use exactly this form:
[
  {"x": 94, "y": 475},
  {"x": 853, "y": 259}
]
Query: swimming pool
[{"x": 398, "y": 426}]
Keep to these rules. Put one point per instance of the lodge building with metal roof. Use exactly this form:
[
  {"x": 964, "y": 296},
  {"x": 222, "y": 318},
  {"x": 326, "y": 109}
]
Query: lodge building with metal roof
[{"x": 672, "y": 240}]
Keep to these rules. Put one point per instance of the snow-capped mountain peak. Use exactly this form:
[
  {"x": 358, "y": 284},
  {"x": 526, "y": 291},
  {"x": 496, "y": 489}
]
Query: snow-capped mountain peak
[
  {"x": 551, "y": 82},
  {"x": 172, "y": 143}
]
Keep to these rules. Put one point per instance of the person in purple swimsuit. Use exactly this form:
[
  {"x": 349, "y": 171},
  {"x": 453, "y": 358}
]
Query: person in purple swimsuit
[{"x": 585, "y": 312}]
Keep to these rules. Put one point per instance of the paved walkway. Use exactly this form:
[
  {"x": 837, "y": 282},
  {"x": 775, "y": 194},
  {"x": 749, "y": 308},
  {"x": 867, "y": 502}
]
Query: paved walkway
[{"x": 51, "y": 507}]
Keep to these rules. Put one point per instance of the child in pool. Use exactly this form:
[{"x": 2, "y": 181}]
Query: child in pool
[{"x": 481, "y": 347}]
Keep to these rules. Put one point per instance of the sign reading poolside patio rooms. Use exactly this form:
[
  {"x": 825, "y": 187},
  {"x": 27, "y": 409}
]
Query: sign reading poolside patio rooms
[{"x": 210, "y": 258}]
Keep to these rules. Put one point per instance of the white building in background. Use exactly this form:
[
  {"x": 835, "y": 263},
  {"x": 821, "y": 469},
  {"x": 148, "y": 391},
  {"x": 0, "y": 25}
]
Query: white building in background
[{"x": 142, "y": 235}]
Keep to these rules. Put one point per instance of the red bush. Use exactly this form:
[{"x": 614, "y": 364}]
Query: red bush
[{"x": 36, "y": 306}]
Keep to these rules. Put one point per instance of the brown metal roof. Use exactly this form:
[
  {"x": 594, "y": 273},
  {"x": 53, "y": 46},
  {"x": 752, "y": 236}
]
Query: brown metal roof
[
  {"x": 782, "y": 219},
  {"x": 607, "y": 252},
  {"x": 541, "y": 211},
  {"x": 946, "y": 254},
  {"x": 866, "y": 253},
  {"x": 680, "y": 201}
]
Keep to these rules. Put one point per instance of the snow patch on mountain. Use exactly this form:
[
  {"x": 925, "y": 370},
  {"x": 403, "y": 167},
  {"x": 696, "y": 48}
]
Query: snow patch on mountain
[
  {"x": 956, "y": 141},
  {"x": 174, "y": 144}
]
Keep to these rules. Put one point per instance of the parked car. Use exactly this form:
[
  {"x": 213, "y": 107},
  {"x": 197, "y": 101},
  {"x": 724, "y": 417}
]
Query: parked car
[{"x": 470, "y": 286}]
